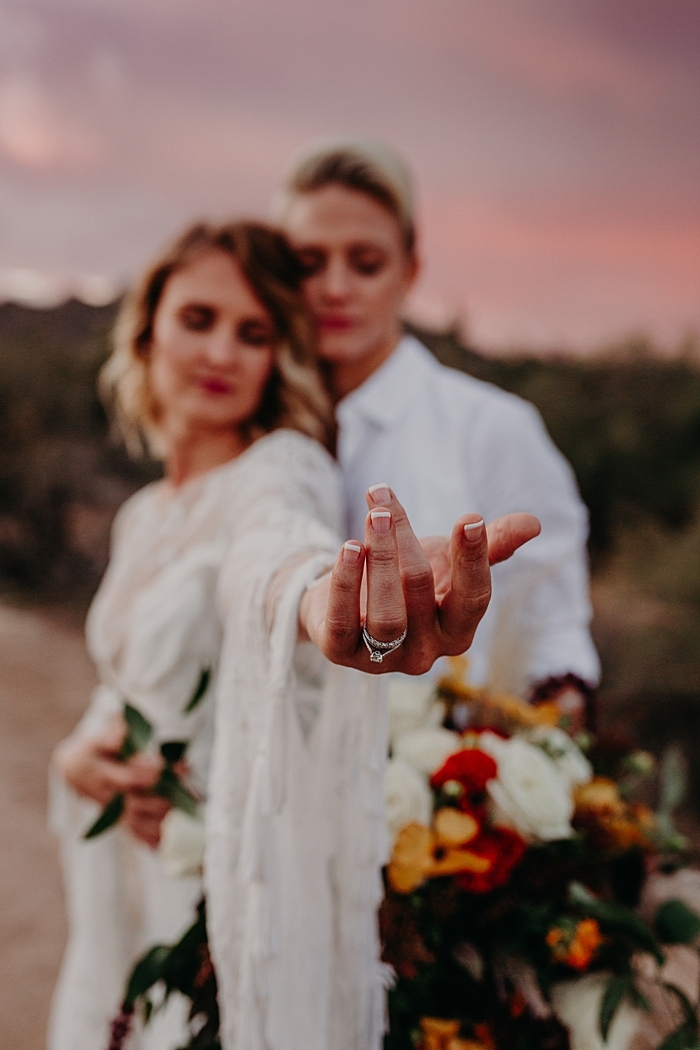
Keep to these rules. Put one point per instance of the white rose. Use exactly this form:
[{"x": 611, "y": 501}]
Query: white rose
[
  {"x": 181, "y": 847},
  {"x": 529, "y": 793},
  {"x": 563, "y": 751},
  {"x": 577, "y": 1005},
  {"x": 412, "y": 705},
  {"x": 408, "y": 797},
  {"x": 427, "y": 749}
]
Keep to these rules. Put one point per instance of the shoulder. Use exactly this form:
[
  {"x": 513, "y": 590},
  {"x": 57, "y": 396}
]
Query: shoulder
[
  {"x": 480, "y": 405},
  {"x": 288, "y": 453},
  {"x": 293, "y": 470}
]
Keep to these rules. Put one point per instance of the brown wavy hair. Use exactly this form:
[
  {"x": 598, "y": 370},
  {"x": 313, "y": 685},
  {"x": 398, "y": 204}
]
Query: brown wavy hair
[{"x": 295, "y": 395}]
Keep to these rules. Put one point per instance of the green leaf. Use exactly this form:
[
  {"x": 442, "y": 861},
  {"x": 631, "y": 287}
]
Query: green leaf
[
  {"x": 148, "y": 970},
  {"x": 171, "y": 787},
  {"x": 138, "y": 733},
  {"x": 676, "y": 923},
  {"x": 173, "y": 751},
  {"x": 673, "y": 770},
  {"x": 615, "y": 992},
  {"x": 615, "y": 917},
  {"x": 109, "y": 816},
  {"x": 202, "y": 686},
  {"x": 684, "y": 1038}
]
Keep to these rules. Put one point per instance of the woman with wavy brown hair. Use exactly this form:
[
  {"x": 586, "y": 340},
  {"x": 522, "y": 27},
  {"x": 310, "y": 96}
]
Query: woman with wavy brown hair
[{"x": 217, "y": 584}]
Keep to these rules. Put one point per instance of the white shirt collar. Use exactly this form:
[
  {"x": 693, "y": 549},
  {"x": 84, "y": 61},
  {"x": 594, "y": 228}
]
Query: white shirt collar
[{"x": 389, "y": 391}]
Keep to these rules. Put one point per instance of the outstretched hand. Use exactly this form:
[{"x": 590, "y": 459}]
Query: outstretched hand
[{"x": 438, "y": 595}]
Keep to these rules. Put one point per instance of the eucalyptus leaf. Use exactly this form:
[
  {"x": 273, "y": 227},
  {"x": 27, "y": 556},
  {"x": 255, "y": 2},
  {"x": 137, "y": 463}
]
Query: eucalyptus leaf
[
  {"x": 138, "y": 733},
  {"x": 616, "y": 990},
  {"x": 107, "y": 818},
  {"x": 676, "y": 923},
  {"x": 673, "y": 773},
  {"x": 170, "y": 787},
  {"x": 173, "y": 751},
  {"x": 148, "y": 970},
  {"x": 615, "y": 917},
  {"x": 200, "y": 690}
]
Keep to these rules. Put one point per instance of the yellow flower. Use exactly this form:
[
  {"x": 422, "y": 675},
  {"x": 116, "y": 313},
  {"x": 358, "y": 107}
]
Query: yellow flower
[
  {"x": 437, "y": 1033},
  {"x": 412, "y": 858},
  {"x": 599, "y": 796},
  {"x": 420, "y": 853}
]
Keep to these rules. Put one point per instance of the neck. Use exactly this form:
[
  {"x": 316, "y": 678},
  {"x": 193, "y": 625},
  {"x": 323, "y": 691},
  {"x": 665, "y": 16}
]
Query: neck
[
  {"x": 346, "y": 376},
  {"x": 192, "y": 454}
]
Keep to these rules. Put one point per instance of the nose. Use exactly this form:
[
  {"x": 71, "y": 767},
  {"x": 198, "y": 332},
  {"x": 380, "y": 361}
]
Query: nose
[
  {"x": 222, "y": 347},
  {"x": 336, "y": 279}
]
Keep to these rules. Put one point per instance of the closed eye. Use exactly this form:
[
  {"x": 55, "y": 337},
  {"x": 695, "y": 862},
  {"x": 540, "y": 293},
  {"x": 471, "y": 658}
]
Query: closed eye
[
  {"x": 254, "y": 332},
  {"x": 311, "y": 261},
  {"x": 367, "y": 260},
  {"x": 197, "y": 317}
]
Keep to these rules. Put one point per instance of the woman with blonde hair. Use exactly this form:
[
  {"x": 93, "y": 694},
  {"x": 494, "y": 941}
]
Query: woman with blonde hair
[{"x": 221, "y": 572}]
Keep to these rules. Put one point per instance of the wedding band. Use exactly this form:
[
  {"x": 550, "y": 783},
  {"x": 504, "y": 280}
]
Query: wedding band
[{"x": 378, "y": 650}]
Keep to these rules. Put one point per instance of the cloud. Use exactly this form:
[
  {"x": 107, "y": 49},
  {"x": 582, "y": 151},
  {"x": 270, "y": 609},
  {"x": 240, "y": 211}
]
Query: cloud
[{"x": 35, "y": 135}]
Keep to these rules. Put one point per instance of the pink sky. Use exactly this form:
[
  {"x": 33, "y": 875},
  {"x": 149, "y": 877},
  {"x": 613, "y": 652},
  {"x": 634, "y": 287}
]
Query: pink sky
[{"x": 556, "y": 145}]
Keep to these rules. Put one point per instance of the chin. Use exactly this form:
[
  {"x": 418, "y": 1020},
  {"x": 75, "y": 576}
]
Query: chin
[{"x": 342, "y": 348}]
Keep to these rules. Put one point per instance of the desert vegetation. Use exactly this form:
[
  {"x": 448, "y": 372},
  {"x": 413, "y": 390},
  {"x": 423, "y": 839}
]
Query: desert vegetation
[{"x": 627, "y": 419}]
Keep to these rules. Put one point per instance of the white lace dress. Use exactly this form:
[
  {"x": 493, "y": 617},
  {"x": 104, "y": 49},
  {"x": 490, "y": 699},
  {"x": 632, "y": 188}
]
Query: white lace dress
[{"x": 225, "y": 560}]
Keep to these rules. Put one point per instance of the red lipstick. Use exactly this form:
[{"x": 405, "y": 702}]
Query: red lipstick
[{"x": 215, "y": 386}]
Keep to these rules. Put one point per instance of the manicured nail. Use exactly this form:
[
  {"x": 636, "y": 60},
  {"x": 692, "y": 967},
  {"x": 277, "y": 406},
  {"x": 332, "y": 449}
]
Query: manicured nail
[
  {"x": 351, "y": 553},
  {"x": 381, "y": 521},
  {"x": 473, "y": 530},
  {"x": 380, "y": 493}
]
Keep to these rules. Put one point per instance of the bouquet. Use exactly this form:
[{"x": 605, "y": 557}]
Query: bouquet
[
  {"x": 517, "y": 864},
  {"x": 137, "y": 738}
]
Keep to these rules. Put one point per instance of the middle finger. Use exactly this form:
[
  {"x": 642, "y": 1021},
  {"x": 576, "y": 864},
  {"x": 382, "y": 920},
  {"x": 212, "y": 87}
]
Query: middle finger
[{"x": 386, "y": 608}]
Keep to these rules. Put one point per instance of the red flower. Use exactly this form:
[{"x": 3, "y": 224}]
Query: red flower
[
  {"x": 471, "y": 768},
  {"x": 504, "y": 848}
]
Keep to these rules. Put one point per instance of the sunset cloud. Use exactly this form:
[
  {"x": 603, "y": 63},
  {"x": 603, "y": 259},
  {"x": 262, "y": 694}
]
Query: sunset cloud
[{"x": 554, "y": 145}]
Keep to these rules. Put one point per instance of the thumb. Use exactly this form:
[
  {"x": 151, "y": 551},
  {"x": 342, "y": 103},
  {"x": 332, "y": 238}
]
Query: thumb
[{"x": 507, "y": 534}]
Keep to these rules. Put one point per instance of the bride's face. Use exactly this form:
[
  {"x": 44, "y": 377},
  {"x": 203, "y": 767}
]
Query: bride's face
[
  {"x": 211, "y": 353},
  {"x": 357, "y": 270}
]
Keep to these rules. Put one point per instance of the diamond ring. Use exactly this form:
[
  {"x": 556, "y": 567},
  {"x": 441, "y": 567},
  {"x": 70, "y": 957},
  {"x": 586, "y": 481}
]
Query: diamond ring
[{"x": 378, "y": 650}]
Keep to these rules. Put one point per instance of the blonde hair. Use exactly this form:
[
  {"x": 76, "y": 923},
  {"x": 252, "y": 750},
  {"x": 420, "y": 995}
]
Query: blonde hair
[
  {"x": 361, "y": 165},
  {"x": 295, "y": 395}
]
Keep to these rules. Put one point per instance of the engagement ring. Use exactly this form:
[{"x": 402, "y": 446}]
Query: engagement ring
[{"x": 378, "y": 650}]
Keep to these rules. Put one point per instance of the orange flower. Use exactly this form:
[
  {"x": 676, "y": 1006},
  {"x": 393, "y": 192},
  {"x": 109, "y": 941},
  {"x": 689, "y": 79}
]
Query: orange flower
[
  {"x": 412, "y": 858},
  {"x": 599, "y": 797},
  {"x": 609, "y": 820},
  {"x": 438, "y": 1033},
  {"x": 454, "y": 828},
  {"x": 575, "y": 943},
  {"x": 420, "y": 855}
]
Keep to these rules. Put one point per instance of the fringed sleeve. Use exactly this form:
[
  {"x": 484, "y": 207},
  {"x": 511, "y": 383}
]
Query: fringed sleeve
[{"x": 295, "y": 820}]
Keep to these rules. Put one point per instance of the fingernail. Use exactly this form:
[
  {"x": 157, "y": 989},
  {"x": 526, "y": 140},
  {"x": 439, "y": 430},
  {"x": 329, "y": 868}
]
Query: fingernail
[
  {"x": 380, "y": 493},
  {"x": 351, "y": 553},
  {"x": 473, "y": 530},
  {"x": 381, "y": 521}
]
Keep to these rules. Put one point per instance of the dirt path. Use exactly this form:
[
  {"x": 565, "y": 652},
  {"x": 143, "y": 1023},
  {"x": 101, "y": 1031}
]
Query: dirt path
[{"x": 45, "y": 681}]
